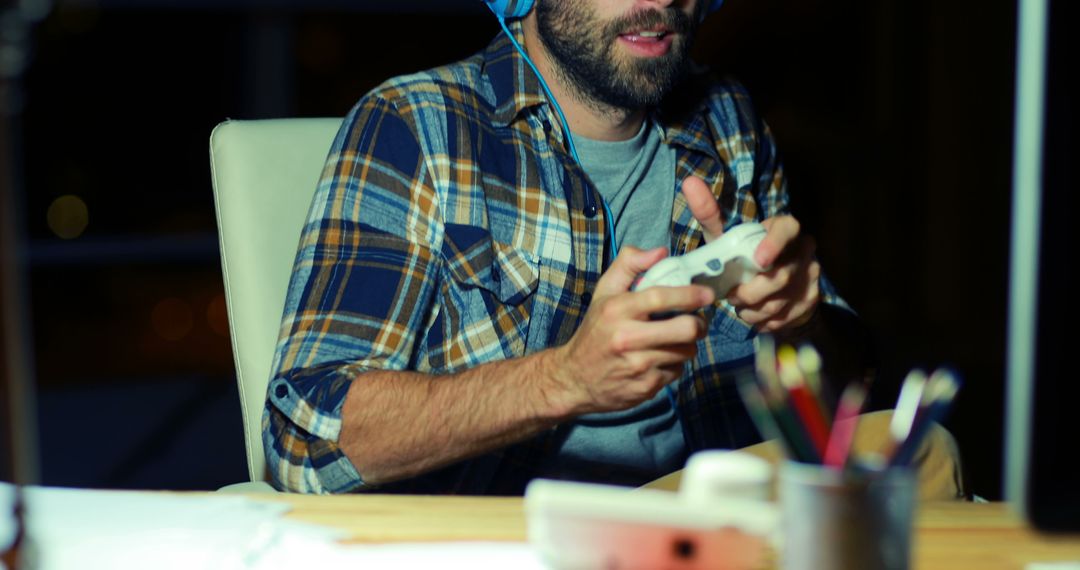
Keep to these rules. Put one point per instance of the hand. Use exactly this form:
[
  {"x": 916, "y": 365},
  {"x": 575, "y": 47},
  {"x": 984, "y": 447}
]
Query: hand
[
  {"x": 619, "y": 358},
  {"x": 785, "y": 296}
]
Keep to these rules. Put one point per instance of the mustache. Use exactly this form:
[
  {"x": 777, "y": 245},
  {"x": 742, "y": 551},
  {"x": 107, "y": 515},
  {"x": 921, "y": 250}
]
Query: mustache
[{"x": 671, "y": 18}]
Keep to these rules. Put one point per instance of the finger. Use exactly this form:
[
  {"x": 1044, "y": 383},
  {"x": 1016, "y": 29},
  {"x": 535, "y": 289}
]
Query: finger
[
  {"x": 669, "y": 356},
  {"x": 766, "y": 312},
  {"x": 793, "y": 314},
  {"x": 762, "y": 286},
  {"x": 780, "y": 231},
  {"x": 642, "y": 304},
  {"x": 798, "y": 285},
  {"x": 644, "y": 365},
  {"x": 630, "y": 263},
  {"x": 648, "y": 335},
  {"x": 704, "y": 207}
]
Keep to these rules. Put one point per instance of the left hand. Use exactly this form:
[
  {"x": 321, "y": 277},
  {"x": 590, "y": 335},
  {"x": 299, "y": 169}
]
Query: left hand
[{"x": 782, "y": 298}]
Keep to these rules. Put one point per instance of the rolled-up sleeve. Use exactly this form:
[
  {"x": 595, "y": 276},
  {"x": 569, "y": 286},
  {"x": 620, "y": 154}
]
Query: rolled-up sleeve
[{"x": 361, "y": 292}]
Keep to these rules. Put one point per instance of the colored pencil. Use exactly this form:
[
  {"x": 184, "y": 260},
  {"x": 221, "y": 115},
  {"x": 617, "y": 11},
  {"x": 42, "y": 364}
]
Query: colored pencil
[
  {"x": 944, "y": 387},
  {"x": 802, "y": 401},
  {"x": 907, "y": 407},
  {"x": 759, "y": 411},
  {"x": 843, "y": 428},
  {"x": 810, "y": 364}
]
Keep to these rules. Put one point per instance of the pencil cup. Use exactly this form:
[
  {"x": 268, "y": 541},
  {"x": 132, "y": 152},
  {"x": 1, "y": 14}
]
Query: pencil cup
[{"x": 846, "y": 520}]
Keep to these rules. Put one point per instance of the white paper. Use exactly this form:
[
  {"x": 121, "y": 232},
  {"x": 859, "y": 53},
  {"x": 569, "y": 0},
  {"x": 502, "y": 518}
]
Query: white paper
[{"x": 120, "y": 530}]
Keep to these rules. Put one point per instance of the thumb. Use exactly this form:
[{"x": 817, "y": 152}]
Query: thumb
[
  {"x": 704, "y": 207},
  {"x": 630, "y": 263}
]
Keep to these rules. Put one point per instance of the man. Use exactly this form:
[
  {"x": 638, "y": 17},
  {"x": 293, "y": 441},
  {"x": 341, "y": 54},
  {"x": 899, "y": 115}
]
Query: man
[{"x": 458, "y": 320}]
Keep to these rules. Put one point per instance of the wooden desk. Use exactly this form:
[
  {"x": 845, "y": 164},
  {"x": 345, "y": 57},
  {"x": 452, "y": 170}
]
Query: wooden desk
[{"x": 949, "y": 536}]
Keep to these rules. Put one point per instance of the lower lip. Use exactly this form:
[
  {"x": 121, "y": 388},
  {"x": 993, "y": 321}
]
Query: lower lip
[{"x": 648, "y": 47}]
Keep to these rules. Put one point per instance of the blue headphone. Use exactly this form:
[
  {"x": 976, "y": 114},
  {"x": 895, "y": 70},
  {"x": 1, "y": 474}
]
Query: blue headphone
[{"x": 518, "y": 8}]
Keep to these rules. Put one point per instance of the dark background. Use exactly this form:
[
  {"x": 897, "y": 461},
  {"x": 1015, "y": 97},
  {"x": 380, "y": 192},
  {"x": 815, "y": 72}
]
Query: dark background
[{"x": 894, "y": 117}]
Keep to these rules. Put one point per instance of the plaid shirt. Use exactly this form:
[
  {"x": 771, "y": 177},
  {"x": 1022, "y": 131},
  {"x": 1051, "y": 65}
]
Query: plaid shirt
[{"x": 449, "y": 230}]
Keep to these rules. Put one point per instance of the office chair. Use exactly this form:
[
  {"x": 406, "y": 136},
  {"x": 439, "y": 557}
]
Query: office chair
[{"x": 264, "y": 176}]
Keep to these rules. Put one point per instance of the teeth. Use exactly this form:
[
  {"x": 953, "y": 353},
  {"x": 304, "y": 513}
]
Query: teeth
[{"x": 651, "y": 34}]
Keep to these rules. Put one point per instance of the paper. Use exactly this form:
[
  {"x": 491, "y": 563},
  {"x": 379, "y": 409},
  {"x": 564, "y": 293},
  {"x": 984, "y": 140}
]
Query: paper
[
  {"x": 1053, "y": 566},
  {"x": 120, "y": 530},
  {"x": 298, "y": 553}
]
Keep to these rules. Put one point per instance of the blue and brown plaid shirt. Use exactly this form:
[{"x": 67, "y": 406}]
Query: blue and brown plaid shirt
[{"x": 449, "y": 230}]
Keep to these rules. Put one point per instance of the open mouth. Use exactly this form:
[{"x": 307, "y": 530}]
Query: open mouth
[{"x": 645, "y": 35}]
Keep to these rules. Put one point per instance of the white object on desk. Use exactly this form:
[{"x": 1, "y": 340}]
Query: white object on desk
[
  {"x": 121, "y": 530},
  {"x": 716, "y": 475},
  {"x": 587, "y": 526},
  {"x": 86, "y": 529}
]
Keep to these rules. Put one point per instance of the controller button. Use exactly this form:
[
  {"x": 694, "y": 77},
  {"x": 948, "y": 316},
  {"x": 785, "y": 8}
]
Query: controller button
[{"x": 715, "y": 264}]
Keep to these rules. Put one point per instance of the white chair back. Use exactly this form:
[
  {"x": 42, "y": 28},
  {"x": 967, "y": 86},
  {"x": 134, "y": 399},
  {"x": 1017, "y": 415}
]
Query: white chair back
[{"x": 264, "y": 176}]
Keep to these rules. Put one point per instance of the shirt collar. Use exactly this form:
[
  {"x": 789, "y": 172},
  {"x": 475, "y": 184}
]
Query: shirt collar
[
  {"x": 515, "y": 85},
  {"x": 683, "y": 116}
]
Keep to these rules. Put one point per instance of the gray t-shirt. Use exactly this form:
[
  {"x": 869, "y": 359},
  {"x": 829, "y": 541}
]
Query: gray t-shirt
[{"x": 636, "y": 177}]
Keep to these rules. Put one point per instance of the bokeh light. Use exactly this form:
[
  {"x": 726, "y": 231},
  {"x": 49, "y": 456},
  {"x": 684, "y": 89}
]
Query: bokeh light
[{"x": 68, "y": 216}]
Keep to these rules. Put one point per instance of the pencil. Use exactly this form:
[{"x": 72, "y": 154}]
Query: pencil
[
  {"x": 944, "y": 385},
  {"x": 843, "y": 429},
  {"x": 810, "y": 364},
  {"x": 759, "y": 411},
  {"x": 802, "y": 402},
  {"x": 907, "y": 408},
  {"x": 775, "y": 397}
]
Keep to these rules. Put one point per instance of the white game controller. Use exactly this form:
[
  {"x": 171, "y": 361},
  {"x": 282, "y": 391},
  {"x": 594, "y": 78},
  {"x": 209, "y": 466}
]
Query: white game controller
[{"x": 720, "y": 264}]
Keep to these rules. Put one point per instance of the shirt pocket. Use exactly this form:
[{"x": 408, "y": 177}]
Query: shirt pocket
[
  {"x": 476, "y": 261},
  {"x": 487, "y": 297}
]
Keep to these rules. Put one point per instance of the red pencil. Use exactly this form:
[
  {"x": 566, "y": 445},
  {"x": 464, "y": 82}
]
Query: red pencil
[{"x": 802, "y": 400}]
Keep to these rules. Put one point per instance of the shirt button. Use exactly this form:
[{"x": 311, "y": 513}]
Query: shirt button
[
  {"x": 586, "y": 299},
  {"x": 590, "y": 211},
  {"x": 281, "y": 391}
]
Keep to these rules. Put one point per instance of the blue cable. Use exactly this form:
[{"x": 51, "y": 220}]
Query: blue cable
[
  {"x": 672, "y": 398},
  {"x": 566, "y": 133}
]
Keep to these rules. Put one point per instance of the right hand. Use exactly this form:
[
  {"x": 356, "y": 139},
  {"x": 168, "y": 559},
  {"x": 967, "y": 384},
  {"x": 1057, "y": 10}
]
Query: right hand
[{"x": 619, "y": 358}]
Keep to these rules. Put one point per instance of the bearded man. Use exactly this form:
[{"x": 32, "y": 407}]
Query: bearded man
[{"x": 461, "y": 316}]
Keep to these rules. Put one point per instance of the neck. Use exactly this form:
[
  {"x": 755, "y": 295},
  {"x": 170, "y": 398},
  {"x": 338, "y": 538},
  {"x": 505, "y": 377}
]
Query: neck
[{"x": 585, "y": 116}]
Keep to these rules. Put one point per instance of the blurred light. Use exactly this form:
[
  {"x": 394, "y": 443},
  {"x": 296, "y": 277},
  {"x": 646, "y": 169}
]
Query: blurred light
[
  {"x": 171, "y": 319},
  {"x": 218, "y": 316},
  {"x": 68, "y": 216}
]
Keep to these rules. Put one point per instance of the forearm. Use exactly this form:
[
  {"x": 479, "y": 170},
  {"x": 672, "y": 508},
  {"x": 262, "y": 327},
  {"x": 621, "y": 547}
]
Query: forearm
[{"x": 398, "y": 424}]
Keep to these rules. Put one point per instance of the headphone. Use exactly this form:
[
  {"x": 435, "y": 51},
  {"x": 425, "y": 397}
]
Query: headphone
[{"x": 518, "y": 8}]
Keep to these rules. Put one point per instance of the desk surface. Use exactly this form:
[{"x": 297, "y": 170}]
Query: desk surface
[{"x": 950, "y": 535}]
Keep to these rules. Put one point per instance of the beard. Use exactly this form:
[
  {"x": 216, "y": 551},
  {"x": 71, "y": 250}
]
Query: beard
[{"x": 583, "y": 49}]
